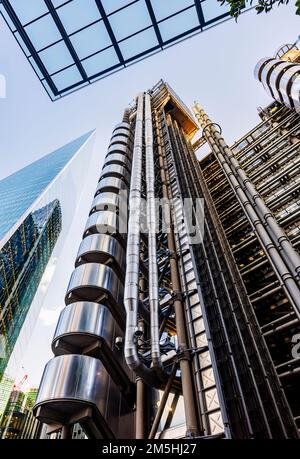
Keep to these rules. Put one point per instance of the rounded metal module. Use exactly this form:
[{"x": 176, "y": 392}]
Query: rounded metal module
[
  {"x": 102, "y": 248},
  {"x": 118, "y": 158},
  {"x": 122, "y": 132},
  {"x": 114, "y": 170},
  {"x": 80, "y": 325},
  {"x": 97, "y": 283},
  {"x": 106, "y": 201},
  {"x": 119, "y": 139},
  {"x": 287, "y": 82},
  {"x": 117, "y": 148},
  {"x": 74, "y": 387},
  {"x": 107, "y": 222},
  {"x": 122, "y": 125},
  {"x": 111, "y": 184}
]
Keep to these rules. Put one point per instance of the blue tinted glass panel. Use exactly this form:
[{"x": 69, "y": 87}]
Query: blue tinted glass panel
[
  {"x": 21, "y": 189},
  {"x": 66, "y": 78},
  {"x": 130, "y": 20},
  {"x": 22, "y": 44},
  {"x": 56, "y": 57},
  {"x": 178, "y": 24},
  {"x": 100, "y": 62},
  {"x": 91, "y": 40},
  {"x": 138, "y": 43},
  {"x": 29, "y": 9},
  {"x": 212, "y": 9},
  {"x": 162, "y": 9},
  {"x": 113, "y": 5},
  {"x": 43, "y": 32},
  {"x": 78, "y": 14}
]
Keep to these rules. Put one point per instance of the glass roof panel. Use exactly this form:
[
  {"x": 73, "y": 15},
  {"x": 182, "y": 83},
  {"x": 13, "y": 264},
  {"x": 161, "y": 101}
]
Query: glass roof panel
[
  {"x": 29, "y": 9},
  {"x": 100, "y": 62},
  {"x": 137, "y": 43},
  {"x": 113, "y": 5},
  {"x": 212, "y": 9},
  {"x": 130, "y": 20},
  {"x": 67, "y": 77},
  {"x": 43, "y": 32},
  {"x": 56, "y": 57},
  {"x": 77, "y": 14},
  {"x": 89, "y": 41},
  {"x": 179, "y": 24},
  {"x": 101, "y": 44},
  {"x": 162, "y": 9}
]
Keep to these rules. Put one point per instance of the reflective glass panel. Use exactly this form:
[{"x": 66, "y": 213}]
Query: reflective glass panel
[
  {"x": 43, "y": 32},
  {"x": 56, "y": 57},
  {"x": 130, "y": 20},
  {"x": 29, "y": 9},
  {"x": 78, "y": 14},
  {"x": 91, "y": 40},
  {"x": 138, "y": 43},
  {"x": 67, "y": 77},
  {"x": 100, "y": 62},
  {"x": 179, "y": 24},
  {"x": 163, "y": 9}
]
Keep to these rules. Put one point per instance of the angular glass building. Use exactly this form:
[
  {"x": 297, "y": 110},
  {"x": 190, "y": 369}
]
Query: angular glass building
[
  {"x": 71, "y": 44},
  {"x": 36, "y": 212}
]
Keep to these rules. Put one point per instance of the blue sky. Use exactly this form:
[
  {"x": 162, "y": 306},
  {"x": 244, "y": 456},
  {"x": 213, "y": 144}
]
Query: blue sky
[{"x": 215, "y": 67}]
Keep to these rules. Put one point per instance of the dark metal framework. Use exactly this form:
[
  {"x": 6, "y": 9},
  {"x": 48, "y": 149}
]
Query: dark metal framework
[{"x": 153, "y": 28}]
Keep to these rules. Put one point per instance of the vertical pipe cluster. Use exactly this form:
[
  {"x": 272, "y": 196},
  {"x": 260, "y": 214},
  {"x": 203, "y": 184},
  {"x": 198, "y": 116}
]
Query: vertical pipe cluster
[
  {"x": 152, "y": 226},
  {"x": 87, "y": 368},
  {"x": 283, "y": 256}
]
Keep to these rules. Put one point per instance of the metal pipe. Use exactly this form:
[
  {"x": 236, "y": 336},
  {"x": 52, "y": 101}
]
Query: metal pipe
[
  {"x": 286, "y": 267},
  {"x": 186, "y": 379},
  {"x": 131, "y": 294},
  {"x": 278, "y": 236},
  {"x": 151, "y": 226},
  {"x": 162, "y": 404}
]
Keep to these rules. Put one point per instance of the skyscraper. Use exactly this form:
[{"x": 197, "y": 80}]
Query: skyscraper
[
  {"x": 194, "y": 335},
  {"x": 37, "y": 207}
]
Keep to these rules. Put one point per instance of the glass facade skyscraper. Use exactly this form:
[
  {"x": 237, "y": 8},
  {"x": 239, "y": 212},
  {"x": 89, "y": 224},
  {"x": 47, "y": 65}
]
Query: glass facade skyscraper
[{"x": 35, "y": 209}]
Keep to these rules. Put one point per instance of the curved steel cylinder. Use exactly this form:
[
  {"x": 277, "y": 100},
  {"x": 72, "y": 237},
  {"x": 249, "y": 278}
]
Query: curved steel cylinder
[
  {"x": 286, "y": 83},
  {"x": 80, "y": 325},
  {"x": 107, "y": 222},
  {"x": 111, "y": 185},
  {"x": 104, "y": 249},
  {"x": 119, "y": 139},
  {"x": 100, "y": 284},
  {"x": 275, "y": 79},
  {"x": 70, "y": 383},
  {"x": 114, "y": 170},
  {"x": 106, "y": 201},
  {"x": 117, "y": 148},
  {"x": 122, "y": 133},
  {"x": 122, "y": 125},
  {"x": 118, "y": 158}
]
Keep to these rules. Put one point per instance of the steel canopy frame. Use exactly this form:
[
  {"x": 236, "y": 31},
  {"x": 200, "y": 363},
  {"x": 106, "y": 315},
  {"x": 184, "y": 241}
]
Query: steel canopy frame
[{"x": 48, "y": 79}]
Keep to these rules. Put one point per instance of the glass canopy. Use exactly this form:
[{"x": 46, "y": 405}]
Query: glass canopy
[{"x": 73, "y": 43}]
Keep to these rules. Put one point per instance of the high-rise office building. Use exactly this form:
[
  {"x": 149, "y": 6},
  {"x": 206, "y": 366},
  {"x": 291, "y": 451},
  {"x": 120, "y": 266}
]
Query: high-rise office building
[
  {"x": 37, "y": 208},
  {"x": 18, "y": 421},
  {"x": 182, "y": 321},
  {"x": 71, "y": 44}
]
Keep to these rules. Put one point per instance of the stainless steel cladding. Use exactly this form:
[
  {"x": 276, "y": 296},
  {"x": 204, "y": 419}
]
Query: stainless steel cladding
[
  {"x": 70, "y": 383},
  {"x": 106, "y": 222},
  {"x": 105, "y": 201},
  {"x": 104, "y": 249},
  {"x": 87, "y": 369},
  {"x": 114, "y": 170},
  {"x": 97, "y": 283},
  {"x": 80, "y": 324},
  {"x": 281, "y": 80},
  {"x": 112, "y": 185}
]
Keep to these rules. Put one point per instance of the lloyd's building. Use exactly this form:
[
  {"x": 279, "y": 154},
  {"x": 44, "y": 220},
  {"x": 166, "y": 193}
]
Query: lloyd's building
[{"x": 180, "y": 323}]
